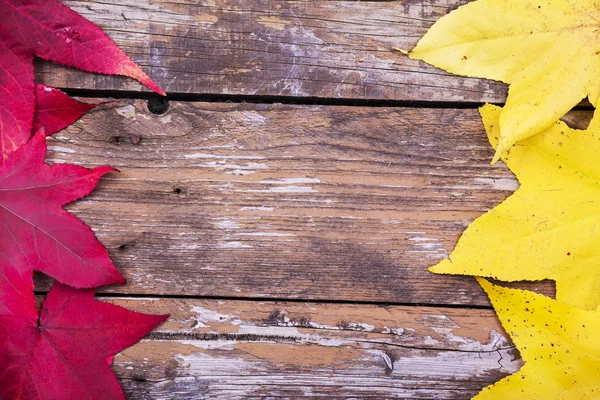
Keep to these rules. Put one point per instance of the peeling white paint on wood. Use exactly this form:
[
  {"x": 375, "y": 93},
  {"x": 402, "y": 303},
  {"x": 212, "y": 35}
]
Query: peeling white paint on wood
[
  {"x": 250, "y": 349},
  {"x": 499, "y": 184}
]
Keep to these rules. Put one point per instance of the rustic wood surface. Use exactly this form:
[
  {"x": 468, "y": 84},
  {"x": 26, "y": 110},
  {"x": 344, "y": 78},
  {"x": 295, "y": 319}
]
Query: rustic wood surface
[
  {"x": 241, "y": 349},
  {"x": 300, "y": 48},
  {"x": 289, "y": 242},
  {"x": 286, "y": 201}
]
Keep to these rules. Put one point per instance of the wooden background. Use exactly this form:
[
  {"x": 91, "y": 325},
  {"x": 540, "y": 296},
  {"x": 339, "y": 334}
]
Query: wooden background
[{"x": 284, "y": 204}]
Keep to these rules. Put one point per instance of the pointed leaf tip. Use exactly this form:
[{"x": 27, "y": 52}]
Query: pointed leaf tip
[
  {"x": 134, "y": 71},
  {"x": 55, "y": 110}
]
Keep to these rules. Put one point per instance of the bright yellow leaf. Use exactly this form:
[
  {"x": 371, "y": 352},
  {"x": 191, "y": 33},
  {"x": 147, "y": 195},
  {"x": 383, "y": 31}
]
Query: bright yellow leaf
[
  {"x": 548, "y": 50},
  {"x": 550, "y": 227},
  {"x": 559, "y": 344}
]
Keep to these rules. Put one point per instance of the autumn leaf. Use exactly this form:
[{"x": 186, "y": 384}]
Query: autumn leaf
[
  {"x": 52, "y": 31},
  {"x": 547, "y": 50},
  {"x": 66, "y": 354},
  {"x": 558, "y": 343},
  {"x": 17, "y": 92},
  {"x": 36, "y": 233},
  {"x": 550, "y": 227},
  {"x": 16, "y": 294},
  {"x": 55, "y": 110}
]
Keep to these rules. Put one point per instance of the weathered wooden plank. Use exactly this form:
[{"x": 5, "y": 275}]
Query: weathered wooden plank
[
  {"x": 282, "y": 201},
  {"x": 239, "y": 349},
  {"x": 306, "y": 48}
]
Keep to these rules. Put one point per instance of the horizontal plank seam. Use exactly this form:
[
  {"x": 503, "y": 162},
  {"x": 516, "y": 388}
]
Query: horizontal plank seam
[
  {"x": 324, "y": 101},
  {"x": 186, "y": 97},
  {"x": 133, "y": 296}
]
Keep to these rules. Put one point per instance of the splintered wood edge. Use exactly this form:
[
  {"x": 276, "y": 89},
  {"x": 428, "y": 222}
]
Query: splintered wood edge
[{"x": 246, "y": 349}]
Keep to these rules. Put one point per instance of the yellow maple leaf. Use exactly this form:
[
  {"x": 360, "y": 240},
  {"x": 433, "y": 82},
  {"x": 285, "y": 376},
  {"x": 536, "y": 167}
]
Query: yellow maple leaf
[
  {"x": 550, "y": 227},
  {"x": 548, "y": 50},
  {"x": 558, "y": 342}
]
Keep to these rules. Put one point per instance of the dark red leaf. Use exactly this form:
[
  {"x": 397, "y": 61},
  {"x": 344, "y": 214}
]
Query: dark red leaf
[
  {"x": 54, "y": 32},
  {"x": 66, "y": 354},
  {"x": 55, "y": 110},
  {"x": 36, "y": 233}
]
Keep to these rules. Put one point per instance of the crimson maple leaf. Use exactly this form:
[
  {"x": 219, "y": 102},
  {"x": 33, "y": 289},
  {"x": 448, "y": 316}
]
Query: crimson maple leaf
[
  {"x": 66, "y": 353},
  {"x": 54, "y": 110},
  {"x": 36, "y": 233},
  {"x": 18, "y": 97},
  {"x": 49, "y": 30}
]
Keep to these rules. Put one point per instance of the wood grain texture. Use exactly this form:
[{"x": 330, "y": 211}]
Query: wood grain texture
[
  {"x": 240, "y": 350},
  {"x": 286, "y": 202},
  {"x": 283, "y": 201},
  {"x": 303, "y": 48}
]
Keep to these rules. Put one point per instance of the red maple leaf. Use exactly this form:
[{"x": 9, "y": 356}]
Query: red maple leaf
[
  {"x": 36, "y": 233},
  {"x": 66, "y": 354},
  {"x": 18, "y": 97},
  {"x": 54, "y": 110},
  {"x": 49, "y": 30}
]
